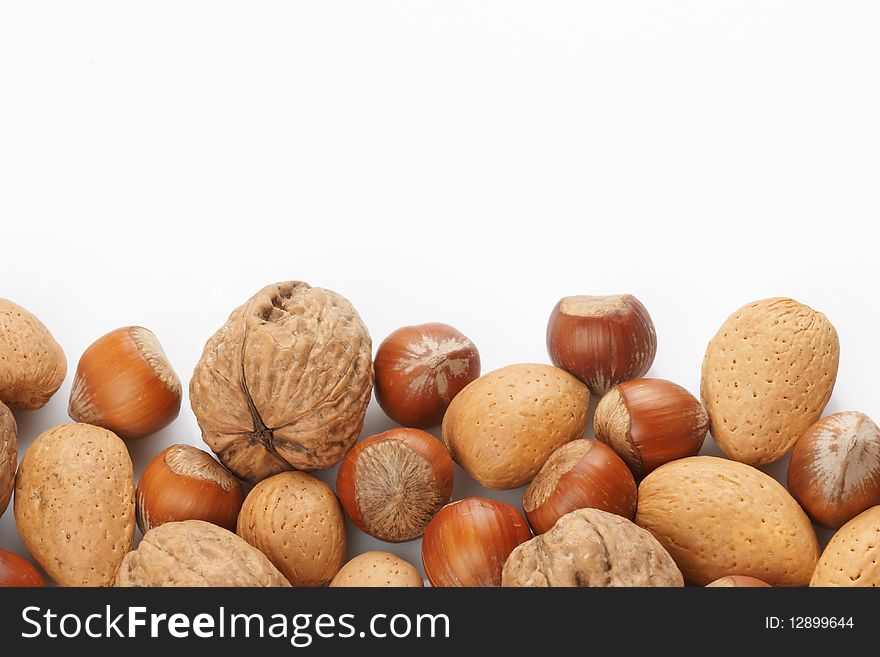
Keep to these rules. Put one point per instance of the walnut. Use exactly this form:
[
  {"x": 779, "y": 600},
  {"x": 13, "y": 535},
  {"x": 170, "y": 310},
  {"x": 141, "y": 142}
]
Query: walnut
[
  {"x": 8, "y": 455},
  {"x": 196, "y": 553},
  {"x": 589, "y": 547},
  {"x": 285, "y": 383}
]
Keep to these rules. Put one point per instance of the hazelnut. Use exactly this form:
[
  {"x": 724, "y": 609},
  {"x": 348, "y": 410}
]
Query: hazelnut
[
  {"x": 419, "y": 369},
  {"x": 295, "y": 520},
  {"x": 467, "y": 542},
  {"x": 744, "y": 581},
  {"x": 649, "y": 422},
  {"x": 578, "y": 475},
  {"x": 185, "y": 483},
  {"x": 8, "y": 455},
  {"x": 834, "y": 472},
  {"x": 32, "y": 364},
  {"x": 125, "y": 383},
  {"x": 601, "y": 340},
  {"x": 15, "y": 571},
  {"x": 392, "y": 484},
  {"x": 378, "y": 569}
]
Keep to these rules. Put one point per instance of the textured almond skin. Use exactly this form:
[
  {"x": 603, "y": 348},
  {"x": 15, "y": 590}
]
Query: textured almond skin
[
  {"x": 718, "y": 517},
  {"x": 378, "y": 569},
  {"x": 196, "y": 553},
  {"x": 502, "y": 427},
  {"x": 285, "y": 382},
  {"x": 591, "y": 548},
  {"x": 74, "y": 503},
  {"x": 8, "y": 455},
  {"x": 767, "y": 375},
  {"x": 852, "y": 556},
  {"x": 296, "y": 521},
  {"x": 32, "y": 364}
]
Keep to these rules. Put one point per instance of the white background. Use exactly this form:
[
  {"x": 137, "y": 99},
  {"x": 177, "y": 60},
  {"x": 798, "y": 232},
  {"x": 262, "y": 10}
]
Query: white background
[{"x": 465, "y": 162}]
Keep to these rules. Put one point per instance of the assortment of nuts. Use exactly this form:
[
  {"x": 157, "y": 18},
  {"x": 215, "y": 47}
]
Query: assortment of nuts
[{"x": 283, "y": 386}]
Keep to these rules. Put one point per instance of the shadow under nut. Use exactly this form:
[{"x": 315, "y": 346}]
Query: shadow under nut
[
  {"x": 718, "y": 517},
  {"x": 285, "y": 382}
]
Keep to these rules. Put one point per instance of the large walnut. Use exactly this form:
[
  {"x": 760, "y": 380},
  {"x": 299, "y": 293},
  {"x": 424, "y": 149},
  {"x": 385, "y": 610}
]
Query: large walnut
[
  {"x": 589, "y": 547},
  {"x": 8, "y": 455},
  {"x": 285, "y": 382},
  {"x": 196, "y": 553}
]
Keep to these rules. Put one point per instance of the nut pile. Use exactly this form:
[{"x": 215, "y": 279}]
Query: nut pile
[{"x": 282, "y": 389}]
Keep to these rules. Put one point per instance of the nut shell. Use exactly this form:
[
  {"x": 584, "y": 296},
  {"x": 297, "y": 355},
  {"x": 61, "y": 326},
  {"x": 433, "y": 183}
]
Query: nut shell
[
  {"x": 767, "y": 375},
  {"x": 15, "y": 571},
  {"x": 32, "y": 364},
  {"x": 737, "y": 581},
  {"x": 580, "y": 474},
  {"x": 649, "y": 422},
  {"x": 8, "y": 455},
  {"x": 378, "y": 569},
  {"x": 285, "y": 382},
  {"x": 74, "y": 503},
  {"x": 295, "y": 520},
  {"x": 718, "y": 517},
  {"x": 852, "y": 556},
  {"x": 834, "y": 472},
  {"x": 591, "y": 548},
  {"x": 393, "y": 483},
  {"x": 419, "y": 369},
  {"x": 502, "y": 427},
  {"x": 602, "y": 340},
  {"x": 125, "y": 383},
  {"x": 196, "y": 553}
]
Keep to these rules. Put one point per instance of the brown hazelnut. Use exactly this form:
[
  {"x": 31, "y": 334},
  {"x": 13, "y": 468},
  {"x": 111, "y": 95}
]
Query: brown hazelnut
[
  {"x": 834, "y": 472},
  {"x": 185, "y": 483},
  {"x": 602, "y": 340},
  {"x": 468, "y": 541},
  {"x": 15, "y": 571},
  {"x": 419, "y": 369},
  {"x": 743, "y": 581},
  {"x": 649, "y": 422},
  {"x": 378, "y": 569},
  {"x": 125, "y": 383},
  {"x": 580, "y": 474},
  {"x": 392, "y": 484}
]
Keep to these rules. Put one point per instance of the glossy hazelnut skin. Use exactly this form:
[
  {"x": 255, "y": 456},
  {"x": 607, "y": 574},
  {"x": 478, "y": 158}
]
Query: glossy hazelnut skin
[
  {"x": 582, "y": 474},
  {"x": 737, "y": 581},
  {"x": 125, "y": 383},
  {"x": 15, "y": 571},
  {"x": 419, "y": 369},
  {"x": 834, "y": 471},
  {"x": 185, "y": 483},
  {"x": 393, "y": 483},
  {"x": 467, "y": 542},
  {"x": 602, "y": 340},
  {"x": 649, "y": 422}
]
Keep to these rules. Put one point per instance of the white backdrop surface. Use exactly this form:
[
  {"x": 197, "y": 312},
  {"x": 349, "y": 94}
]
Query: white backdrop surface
[{"x": 464, "y": 162}]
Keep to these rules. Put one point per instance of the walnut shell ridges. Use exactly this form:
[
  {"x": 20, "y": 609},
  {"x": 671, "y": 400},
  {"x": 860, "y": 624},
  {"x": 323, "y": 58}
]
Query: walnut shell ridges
[
  {"x": 8, "y": 455},
  {"x": 591, "y": 548},
  {"x": 196, "y": 553},
  {"x": 285, "y": 383}
]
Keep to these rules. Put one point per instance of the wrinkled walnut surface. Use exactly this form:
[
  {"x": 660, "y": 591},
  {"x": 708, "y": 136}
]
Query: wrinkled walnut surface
[
  {"x": 285, "y": 382},
  {"x": 8, "y": 455},
  {"x": 591, "y": 548},
  {"x": 196, "y": 553}
]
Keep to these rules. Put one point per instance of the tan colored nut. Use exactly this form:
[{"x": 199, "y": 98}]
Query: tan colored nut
[
  {"x": 285, "y": 382},
  {"x": 32, "y": 364},
  {"x": 74, "y": 503},
  {"x": 502, "y": 427},
  {"x": 378, "y": 569},
  {"x": 196, "y": 553},
  {"x": 852, "y": 556},
  {"x": 591, "y": 548},
  {"x": 718, "y": 517},
  {"x": 767, "y": 375},
  {"x": 737, "y": 581},
  {"x": 8, "y": 456},
  {"x": 295, "y": 520}
]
